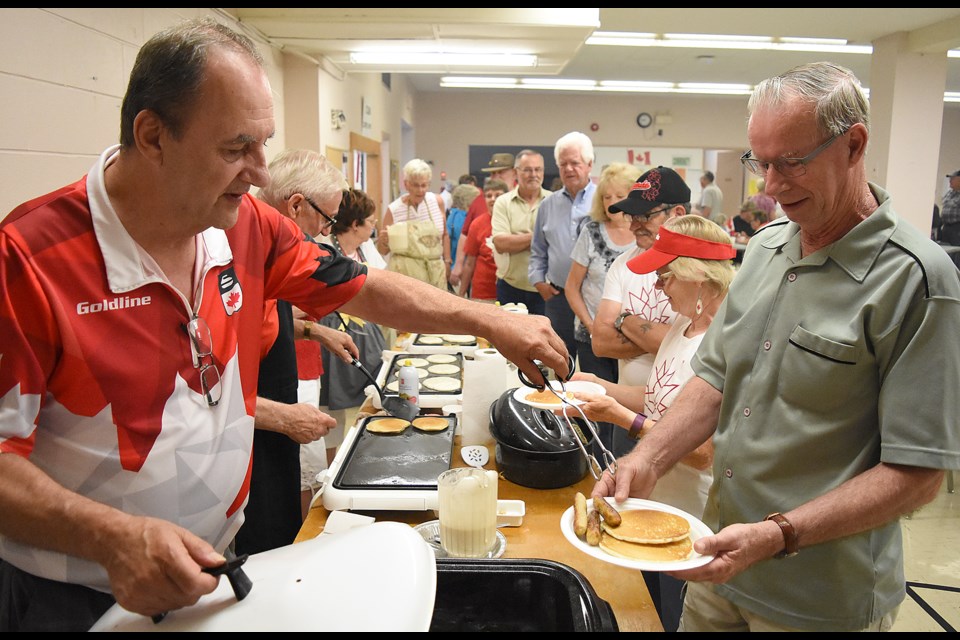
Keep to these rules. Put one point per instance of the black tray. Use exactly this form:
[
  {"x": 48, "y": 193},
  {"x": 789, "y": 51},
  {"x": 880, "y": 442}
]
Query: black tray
[
  {"x": 409, "y": 460},
  {"x": 516, "y": 595},
  {"x": 418, "y": 341},
  {"x": 393, "y": 371}
]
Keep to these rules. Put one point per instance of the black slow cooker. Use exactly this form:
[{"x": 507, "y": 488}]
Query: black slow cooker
[{"x": 535, "y": 448}]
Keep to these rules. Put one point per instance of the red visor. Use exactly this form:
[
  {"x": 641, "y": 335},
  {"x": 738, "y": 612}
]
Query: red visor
[{"x": 670, "y": 245}]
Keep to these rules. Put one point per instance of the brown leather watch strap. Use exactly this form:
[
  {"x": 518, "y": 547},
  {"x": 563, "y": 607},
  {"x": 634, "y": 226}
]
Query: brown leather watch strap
[{"x": 791, "y": 540}]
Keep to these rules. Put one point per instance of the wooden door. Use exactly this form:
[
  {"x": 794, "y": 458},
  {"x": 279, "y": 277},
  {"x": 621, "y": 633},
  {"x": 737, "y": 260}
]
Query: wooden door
[{"x": 373, "y": 172}]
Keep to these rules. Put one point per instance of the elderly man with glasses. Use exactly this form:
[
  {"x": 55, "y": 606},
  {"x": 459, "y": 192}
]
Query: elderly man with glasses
[
  {"x": 634, "y": 315},
  {"x": 561, "y": 216},
  {"x": 827, "y": 380}
]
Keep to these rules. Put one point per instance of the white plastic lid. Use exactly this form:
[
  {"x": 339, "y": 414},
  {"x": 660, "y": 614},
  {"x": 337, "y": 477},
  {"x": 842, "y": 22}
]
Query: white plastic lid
[{"x": 379, "y": 577}]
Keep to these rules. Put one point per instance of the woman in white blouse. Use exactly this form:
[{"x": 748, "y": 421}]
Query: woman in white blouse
[
  {"x": 692, "y": 257},
  {"x": 413, "y": 232}
]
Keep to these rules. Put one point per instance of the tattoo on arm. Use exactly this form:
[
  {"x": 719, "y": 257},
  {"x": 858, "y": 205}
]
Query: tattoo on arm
[{"x": 645, "y": 327}]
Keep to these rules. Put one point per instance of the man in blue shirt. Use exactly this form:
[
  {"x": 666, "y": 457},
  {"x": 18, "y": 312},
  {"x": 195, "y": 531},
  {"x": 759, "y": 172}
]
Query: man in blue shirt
[{"x": 555, "y": 231}]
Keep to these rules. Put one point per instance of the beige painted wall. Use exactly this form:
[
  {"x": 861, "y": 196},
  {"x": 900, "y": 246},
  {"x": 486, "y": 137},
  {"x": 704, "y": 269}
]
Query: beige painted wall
[{"x": 63, "y": 73}]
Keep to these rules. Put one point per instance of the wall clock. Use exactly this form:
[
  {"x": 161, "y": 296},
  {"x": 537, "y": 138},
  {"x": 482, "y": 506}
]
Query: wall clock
[{"x": 644, "y": 120}]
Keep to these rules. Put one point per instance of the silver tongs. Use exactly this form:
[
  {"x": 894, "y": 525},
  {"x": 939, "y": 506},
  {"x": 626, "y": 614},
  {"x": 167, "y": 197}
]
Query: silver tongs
[{"x": 596, "y": 469}]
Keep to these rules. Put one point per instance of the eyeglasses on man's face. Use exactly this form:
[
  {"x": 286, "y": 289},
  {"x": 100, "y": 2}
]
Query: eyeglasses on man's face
[
  {"x": 788, "y": 167},
  {"x": 329, "y": 221},
  {"x": 201, "y": 348},
  {"x": 643, "y": 217}
]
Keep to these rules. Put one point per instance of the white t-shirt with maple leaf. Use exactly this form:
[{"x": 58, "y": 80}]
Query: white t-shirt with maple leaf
[
  {"x": 683, "y": 486},
  {"x": 636, "y": 293}
]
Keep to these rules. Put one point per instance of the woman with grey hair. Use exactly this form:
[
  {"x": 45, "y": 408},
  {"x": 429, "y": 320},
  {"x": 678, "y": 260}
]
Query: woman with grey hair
[
  {"x": 692, "y": 258},
  {"x": 462, "y": 197},
  {"x": 413, "y": 233}
]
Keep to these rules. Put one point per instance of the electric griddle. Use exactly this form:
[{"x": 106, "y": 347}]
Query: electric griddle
[{"x": 374, "y": 471}]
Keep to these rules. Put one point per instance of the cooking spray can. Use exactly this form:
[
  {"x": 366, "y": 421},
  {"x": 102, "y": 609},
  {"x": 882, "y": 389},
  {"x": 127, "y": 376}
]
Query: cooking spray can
[{"x": 409, "y": 383}]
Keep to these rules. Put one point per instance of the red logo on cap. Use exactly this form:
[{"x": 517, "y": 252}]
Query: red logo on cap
[{"x": 650, "y": 187}]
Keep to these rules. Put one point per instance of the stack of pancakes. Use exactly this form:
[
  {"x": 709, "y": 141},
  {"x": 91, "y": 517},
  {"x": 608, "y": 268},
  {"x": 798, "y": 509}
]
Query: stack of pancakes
[{"x": 648, "y": 535}]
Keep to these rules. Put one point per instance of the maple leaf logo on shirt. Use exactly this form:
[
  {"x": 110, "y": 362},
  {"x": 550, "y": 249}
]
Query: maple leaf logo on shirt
[
  {"x": 663, "y": 386},
  {"x": 230, "y": 292}
]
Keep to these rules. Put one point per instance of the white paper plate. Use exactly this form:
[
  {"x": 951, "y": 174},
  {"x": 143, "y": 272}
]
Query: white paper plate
[
  {"x": 697, "y": 531},
  {"x": 586, "y": 386}
]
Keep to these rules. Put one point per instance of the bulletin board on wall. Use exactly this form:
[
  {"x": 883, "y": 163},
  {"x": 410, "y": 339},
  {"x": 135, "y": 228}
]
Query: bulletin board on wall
[{"x": 687, "y": 162}]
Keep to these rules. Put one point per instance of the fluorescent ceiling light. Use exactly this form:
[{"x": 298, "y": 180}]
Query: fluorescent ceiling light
[
  {"x": 953, "y": 53},
  {"x": 837, "y": 42},
  {"x": 456, "y": 82},
  {"x": 437, "y": 58},
  {"x": 559, "y": 84},
  {"x": 715, "y": 88},
  {"x": 479, "y": 79},
  {"x": 619, "y": 86},
  {"x": 715, "y": 41},
  {"x": 715, "y": 38},
  {"x": 634, "y": 85}
]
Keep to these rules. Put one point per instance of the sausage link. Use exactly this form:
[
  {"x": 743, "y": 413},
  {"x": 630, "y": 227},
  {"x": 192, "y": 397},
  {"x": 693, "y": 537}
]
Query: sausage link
[
  {"x": 580, "y": 515},
  {"x": 610, "y": 515},
  {"x": 593, "y": 528}
]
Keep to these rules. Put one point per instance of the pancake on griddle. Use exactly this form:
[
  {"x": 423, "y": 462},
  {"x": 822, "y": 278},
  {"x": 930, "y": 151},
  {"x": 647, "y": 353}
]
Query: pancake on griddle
[
  {"x": 443, "y": 369},
  {"x": 441, "y": 358},
  {"x": 442, "y": 383},
  {"x": 387, "y": 425},
  {"x": 649, "y": 526},
  {"x": 431, "y": 423},
  {"x": 669, "y": 552}
]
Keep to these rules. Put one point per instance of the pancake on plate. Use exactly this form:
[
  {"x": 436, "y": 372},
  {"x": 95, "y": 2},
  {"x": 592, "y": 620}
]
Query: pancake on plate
[
  {"x": 430, "y": 423},
  {"x": 387, "y": 425},
  {"x": 545, "y": 396},
  {"x": 442, "y": 358},
  {"x": 649, "y": 526},
  {"x": 443, "y": 369},
  {"x": 442, "y": 383},
  {"x": 670, "y": 552}
]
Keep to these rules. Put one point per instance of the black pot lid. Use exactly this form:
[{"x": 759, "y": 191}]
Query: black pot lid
[{"x": 524, "y": 427}]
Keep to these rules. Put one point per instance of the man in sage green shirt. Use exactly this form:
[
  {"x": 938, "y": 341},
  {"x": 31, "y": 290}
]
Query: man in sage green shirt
[
  {"x": 511, "y": 223},
  {"x": 827, "y": 379}
]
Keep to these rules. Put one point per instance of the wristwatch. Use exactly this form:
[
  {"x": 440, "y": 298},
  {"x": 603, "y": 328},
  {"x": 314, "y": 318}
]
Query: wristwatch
[
  {"x": 791, "y": 541},
  {"x": 307, "y": 329},
  {"x": 618, "y": 323}
]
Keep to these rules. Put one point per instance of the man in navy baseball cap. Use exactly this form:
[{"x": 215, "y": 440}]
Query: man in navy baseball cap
[{"x": 658, "y": 186}]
